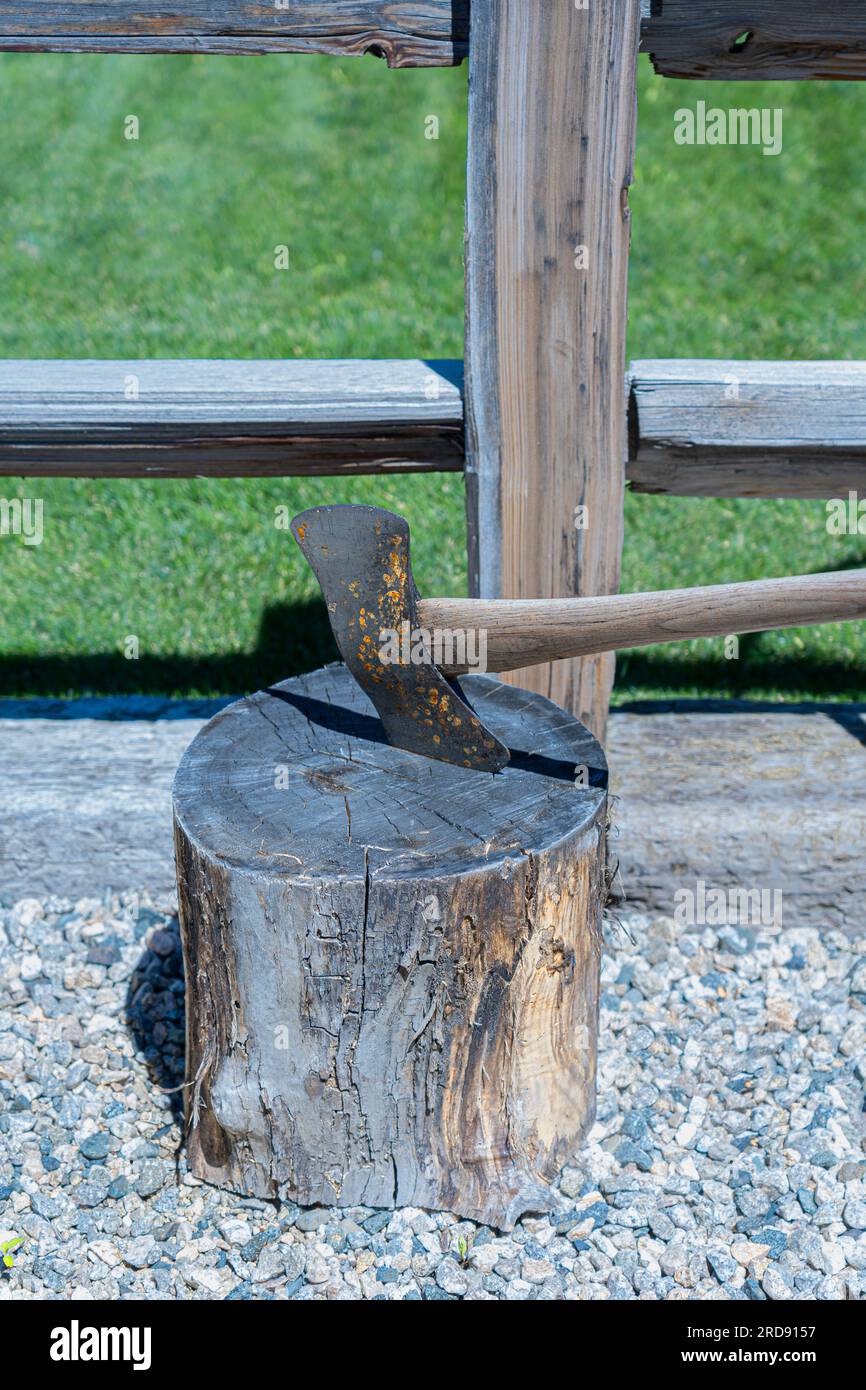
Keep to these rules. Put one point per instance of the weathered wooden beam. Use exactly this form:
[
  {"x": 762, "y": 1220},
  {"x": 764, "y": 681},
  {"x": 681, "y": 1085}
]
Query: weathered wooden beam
[
  {"x": 408, "y": 33},
  {"x": 747, "y": 429},
  {"x": 551, "y": 141},
  {"x": 230, "y": 419},
  {"x": 697, "y": 428},
  {"x": 743, "y": 39},
  {"x": 756, "y": 40},
  {"x": 786, "y": 819}
]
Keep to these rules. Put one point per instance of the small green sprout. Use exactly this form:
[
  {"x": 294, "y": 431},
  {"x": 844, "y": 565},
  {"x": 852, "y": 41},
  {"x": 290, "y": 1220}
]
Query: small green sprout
[{"x": 8, "y": 1245}]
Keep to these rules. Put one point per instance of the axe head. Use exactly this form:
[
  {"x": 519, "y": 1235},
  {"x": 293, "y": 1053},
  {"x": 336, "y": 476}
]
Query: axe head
[{"x": 360, "y": 556}]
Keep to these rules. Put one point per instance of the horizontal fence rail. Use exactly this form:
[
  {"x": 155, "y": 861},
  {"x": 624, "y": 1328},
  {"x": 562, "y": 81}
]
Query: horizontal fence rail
[
  {"x": 408, "y": 33},
  {"x": 747, "y": 429},
  {"x": 756, "y": 40},
  {"x": 742, "y": 39},
  {"x": 230, "y": 419},
  {"x": 702, "y": 428}
]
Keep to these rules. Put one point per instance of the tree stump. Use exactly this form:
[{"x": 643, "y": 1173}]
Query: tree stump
[{"x": 392, "y": 963}]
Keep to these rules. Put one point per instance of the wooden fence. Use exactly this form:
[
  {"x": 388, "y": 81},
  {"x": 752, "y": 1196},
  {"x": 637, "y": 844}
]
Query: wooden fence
[{"x": 547, "y": 421}]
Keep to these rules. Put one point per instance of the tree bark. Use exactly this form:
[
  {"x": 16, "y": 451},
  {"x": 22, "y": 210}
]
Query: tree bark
[{"x": 392, "y": 963}]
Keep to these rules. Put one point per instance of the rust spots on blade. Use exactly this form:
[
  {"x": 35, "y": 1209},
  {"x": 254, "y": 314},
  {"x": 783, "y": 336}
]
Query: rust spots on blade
[{"x": 373, "y": 608}]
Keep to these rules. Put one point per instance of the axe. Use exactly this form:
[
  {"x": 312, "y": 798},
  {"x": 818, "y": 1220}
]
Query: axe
[{"x": 406, "y": 652}]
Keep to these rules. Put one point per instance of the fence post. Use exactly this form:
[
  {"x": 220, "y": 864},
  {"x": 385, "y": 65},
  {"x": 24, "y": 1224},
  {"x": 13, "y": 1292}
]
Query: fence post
[{"x": 551, "y": 144}]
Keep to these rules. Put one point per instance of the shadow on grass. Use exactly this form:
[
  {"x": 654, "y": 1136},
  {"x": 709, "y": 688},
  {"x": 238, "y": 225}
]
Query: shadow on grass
[
  {"x": 292, "y": 639},
  {"x": 296, "y": 638},
  {"x": 732, "y": 682},
  {"x": 754, "y": 670}
]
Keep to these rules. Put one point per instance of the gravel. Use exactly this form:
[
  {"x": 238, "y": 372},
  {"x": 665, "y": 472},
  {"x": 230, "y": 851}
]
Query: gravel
[{"x": 727, "y": 1160}]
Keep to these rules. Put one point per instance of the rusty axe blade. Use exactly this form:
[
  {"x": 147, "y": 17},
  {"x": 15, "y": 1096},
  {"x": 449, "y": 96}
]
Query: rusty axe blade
[{"x": 360, "y": 556}]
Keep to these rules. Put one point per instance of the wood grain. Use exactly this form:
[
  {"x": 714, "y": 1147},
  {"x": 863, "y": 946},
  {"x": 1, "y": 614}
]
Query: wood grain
[
  {"x": 392, "y": 964},
  {"x": 551, "y": 141},
  {"x": 223, "y": 418},
  {"x": 408, "y": 33},
  {"x": 786, "y": 39},
  {"x": 727, "y": 428},
  {"x": 538, "y": 630}
]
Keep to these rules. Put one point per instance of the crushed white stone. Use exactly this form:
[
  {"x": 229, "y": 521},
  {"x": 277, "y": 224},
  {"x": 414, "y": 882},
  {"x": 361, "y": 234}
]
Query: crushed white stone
[{"x": 727, "y": 1160}]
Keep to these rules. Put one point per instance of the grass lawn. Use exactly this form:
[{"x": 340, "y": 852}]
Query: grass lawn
[{"x": 164, "y": 247}]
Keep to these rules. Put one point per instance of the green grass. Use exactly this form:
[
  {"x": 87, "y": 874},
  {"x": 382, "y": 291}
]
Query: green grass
[{"x": 165, "y": 247}]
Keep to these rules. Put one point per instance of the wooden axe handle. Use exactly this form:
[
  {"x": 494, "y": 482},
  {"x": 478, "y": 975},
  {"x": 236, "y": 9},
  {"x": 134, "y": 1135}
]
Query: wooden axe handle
[{"x": 524, "y": 632}]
